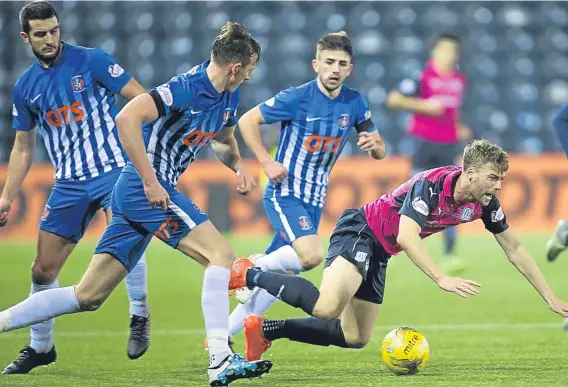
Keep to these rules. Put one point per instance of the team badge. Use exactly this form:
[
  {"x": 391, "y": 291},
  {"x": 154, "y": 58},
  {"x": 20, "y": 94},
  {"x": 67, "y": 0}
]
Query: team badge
[
  {"x": 46, "y": 212},
  {"x": 467, "y": 213},
  {"x": 78, "y": 83},
  {"x": 305, "y": 223},
  {"x": 497, "y": 216},
  {"x": 344, "y": 121},
  {"x": 115, "y": 70}
]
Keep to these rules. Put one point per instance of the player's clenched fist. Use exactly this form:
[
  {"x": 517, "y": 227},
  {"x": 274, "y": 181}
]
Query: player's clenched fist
[
  {"x": 275, "y": 171},
  {"x": 4, "y": 210},
  {"x": 246, "y": 183},
  {"x": 157, "y": 195}
]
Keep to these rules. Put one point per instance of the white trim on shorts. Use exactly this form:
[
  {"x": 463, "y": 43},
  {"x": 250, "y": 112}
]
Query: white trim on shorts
[
  {"x": 185, "y": 217},
  {"x": 283, "y": 218}
]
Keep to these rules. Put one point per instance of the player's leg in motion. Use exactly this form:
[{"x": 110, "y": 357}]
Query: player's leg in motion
[
  {"x": 52, "y": 252},
  {"x": 208, "y": 247},
  {"x": 102, "y": 276},
  {"x": 137, "y": 289},
  {"x": 558, "y": 241},
  {"x": 296, "y": 247},
  {"x": 333, "y": 307},
  {"x": 65, "y": 218}
]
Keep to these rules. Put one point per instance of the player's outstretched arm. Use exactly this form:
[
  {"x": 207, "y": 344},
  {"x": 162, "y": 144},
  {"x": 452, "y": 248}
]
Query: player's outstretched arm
[
  {"x": 397, "y": 100},
  {"x": 129, "y": 124},
  {"x": 410, "y": 241},
  {"x": 226, "y": 148},
  {"x": 522, "y": 260},
  {"x": 249, "y": 125},
  {"x": 18, "y": 167}
]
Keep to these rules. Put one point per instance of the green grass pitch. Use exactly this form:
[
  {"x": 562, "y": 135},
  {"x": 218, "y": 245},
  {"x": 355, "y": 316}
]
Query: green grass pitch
[{"x": 506, "y": 336}]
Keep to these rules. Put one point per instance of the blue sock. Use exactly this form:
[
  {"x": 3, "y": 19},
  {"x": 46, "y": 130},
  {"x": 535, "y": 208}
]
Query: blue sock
[{"x": 450, "y": 235}]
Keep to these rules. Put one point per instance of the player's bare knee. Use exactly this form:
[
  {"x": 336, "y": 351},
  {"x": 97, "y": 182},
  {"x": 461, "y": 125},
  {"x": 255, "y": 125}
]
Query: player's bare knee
[
  {"x": 89, "y": 302},
  {"x": 44, "y": 273},
  {"x": 311, "y": 259},
  {"x": 223, "y": 256},
  {"x": 356, "y": 342},
  {"x": 326, "y": 311}
]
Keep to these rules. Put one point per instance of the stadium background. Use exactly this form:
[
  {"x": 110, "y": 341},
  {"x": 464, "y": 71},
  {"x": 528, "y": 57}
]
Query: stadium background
[
  {"x": 514, "y": 54},
  {"x": 516, "y": 58}
]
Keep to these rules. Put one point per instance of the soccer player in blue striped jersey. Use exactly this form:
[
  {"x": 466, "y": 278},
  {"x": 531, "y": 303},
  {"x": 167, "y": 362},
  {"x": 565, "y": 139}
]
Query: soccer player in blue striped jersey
[
  {"x": 68, "y": 96},
  {"x": 162, "y": 132},
  {"x": 558, "y": 242},
  {"x": 316, "y": 119}
]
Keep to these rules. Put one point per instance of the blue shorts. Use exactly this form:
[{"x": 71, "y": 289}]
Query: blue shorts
[
  {"x": 134, "y": 221},
  {"x": 291, "y": 219},
  {"x": 72, "y": 204}
]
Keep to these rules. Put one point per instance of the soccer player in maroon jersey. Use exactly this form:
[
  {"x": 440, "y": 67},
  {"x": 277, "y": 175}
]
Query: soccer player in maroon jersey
[
  {"x": 347, "y": 304},
  {"x": 434, "y": 98}
]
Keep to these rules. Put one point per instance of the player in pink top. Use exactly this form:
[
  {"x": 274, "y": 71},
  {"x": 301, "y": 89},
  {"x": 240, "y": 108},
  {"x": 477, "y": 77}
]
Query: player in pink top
[
  {"x": 345, "y": 308},
  {"x": 434, "y": 99}
]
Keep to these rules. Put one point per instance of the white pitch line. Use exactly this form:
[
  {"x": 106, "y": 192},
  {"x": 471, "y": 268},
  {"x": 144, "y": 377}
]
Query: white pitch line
[{"x": 201, "y": 332}]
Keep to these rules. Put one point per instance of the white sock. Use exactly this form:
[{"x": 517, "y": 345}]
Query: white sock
[
  {"x": 215, "y": 305},
  {"x": 283, "y": 260},
  {"x": 137, "y": 288},
  {"x": 262, "y": 301},
  {"x": 41, "y": 307},
  {"x": 259, "y": 303},
  {"x": 42, "y": 333},
  {"x": 238, "y": 316}
]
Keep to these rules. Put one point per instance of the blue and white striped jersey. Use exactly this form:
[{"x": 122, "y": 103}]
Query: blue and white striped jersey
[
  {"x": 314, "y": 132},
  {"x": 73, "y": 104},
  {"x": 191, "y": 113}
]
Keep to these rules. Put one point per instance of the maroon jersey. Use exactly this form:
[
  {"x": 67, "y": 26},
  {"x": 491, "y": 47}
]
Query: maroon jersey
[{"x": 427, "y": 198}]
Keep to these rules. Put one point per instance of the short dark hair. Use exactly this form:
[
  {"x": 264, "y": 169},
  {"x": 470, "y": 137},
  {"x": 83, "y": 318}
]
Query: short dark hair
[
  {"x": 36, "y": 10},
  {"x": 235, "y": 44},
  {"x": 444, "y": 36},
  {"x": 335, "y": 41}
]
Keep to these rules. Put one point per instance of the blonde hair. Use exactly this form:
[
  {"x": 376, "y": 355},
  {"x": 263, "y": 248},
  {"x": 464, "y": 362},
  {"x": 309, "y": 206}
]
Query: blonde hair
[
  {"x": 478, "y": 153},
  {"x": 235, "y": 44}
]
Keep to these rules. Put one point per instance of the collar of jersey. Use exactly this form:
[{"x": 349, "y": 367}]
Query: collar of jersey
[
  {"x": 206, "y": 81},
  {"x": 449, "y": 182},
  {"x": 315, "y": 82}
]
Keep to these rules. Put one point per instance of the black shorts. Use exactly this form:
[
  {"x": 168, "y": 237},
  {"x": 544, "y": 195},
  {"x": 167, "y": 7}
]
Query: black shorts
[
  {"x": 430, "y": 155},
  {"x": 354, "y": 240}
]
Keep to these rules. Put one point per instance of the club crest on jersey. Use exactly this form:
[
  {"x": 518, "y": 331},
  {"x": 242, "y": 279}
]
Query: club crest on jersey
[
  {"x": 467, "y": 213},
  {"x": 305, "y": 223},
  {"x": 344, "y": 121},
  {"x": 78, "y": 83},
  {"x": 46, "y": 212}
]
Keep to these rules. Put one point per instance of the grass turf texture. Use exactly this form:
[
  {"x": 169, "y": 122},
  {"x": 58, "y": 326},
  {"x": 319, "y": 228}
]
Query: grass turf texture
[{"x": 505, "y": 336}]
